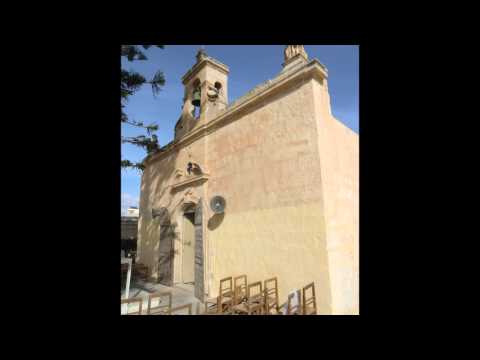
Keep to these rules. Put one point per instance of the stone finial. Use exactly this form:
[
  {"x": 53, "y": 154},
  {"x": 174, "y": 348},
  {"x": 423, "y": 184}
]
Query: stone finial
[
  {"x": 292, "y": 51},
  {"x": 201, "y": 54}
]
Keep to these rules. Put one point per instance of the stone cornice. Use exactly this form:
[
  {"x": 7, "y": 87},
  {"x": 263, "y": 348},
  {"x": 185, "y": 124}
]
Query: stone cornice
[
  {"x": 200, "y": 65},
  {"x": 189, "y": 181},
  {"x": 295, "y": 58},
  {"x": 312, "y": 69}
]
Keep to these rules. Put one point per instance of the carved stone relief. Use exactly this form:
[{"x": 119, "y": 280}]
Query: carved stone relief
[{"x": 189, "y": 197}]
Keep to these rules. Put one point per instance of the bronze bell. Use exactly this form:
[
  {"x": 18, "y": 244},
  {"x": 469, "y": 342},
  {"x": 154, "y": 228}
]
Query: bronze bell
[{"x": 196, "y": 98}]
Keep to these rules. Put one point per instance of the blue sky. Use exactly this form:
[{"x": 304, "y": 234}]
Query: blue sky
[{"x": 250, "y": 65}]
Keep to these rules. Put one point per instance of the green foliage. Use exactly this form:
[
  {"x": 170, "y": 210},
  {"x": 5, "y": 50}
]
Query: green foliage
[
  {"x": 132, "y": 52},
  {"x": 129, "y": 164},
  {"x": 157, "y": 82},
  {"x": 150, "y": 144},
  {"x": 131, "y": 82}
]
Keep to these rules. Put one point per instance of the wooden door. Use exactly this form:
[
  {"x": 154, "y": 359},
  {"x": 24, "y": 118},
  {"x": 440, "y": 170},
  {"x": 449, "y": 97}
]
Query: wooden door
[{"x": 188, "y": 248}]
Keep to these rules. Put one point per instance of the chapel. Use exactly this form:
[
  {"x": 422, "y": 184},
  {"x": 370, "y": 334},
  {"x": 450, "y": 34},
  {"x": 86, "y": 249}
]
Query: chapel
[{"x": 264, "y": 186}]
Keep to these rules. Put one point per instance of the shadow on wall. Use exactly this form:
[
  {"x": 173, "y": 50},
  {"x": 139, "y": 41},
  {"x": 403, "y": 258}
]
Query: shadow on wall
[
  {"x": 154, "y": 185},
  {"x": 215, "y": 221}
]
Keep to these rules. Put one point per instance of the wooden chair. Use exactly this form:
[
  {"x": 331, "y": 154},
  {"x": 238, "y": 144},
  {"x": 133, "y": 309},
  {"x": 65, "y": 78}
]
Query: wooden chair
[
  {"x": 163, "y": 307},
  {"x": 212, "y": 306},
  {"x": 176, "y": 310},
  {"x": 133, "y": 301},
  {"x": 240, "y": 289},
  {"x": 254, "y": 303},
  {"x": 309, "y": 301},
  {"x": 255, "y": 298},
  {"x": 271, "y": 297},
  {"x": 239, "y": 296},
  {"x": 294, "y": 309},
  {"x": 226, "y": 288},
  {"x": 222, "y": 304},
  {"x": 226, "y": 295}
]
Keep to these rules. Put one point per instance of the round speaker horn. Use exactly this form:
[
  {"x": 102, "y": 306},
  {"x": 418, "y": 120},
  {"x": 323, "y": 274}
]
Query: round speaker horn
[{"x": 217, "y": 204}]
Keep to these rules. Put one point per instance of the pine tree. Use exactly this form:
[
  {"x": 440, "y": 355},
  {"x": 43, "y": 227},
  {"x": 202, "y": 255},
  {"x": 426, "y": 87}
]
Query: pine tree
[{"x": 131, "y": 82}]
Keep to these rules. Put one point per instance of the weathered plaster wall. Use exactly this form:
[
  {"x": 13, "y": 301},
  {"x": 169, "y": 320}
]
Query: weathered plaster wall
[
  {"x": 154, "y": 185},
  {"x": 266, "y": 165},
  {"x": 156, "y": 192},
  {"x": 338, "y": 148}
]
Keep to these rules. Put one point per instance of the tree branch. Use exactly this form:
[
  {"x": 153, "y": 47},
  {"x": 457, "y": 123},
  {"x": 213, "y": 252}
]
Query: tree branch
[
  {"x": 128, "y": 164},
  {"x": 150, "y": 128},
  {"x": 132, "y": 81},
  {"x": 157, "y": 82}
]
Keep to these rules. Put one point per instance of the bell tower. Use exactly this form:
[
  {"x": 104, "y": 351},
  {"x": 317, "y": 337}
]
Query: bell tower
[{"x": 206, "y": 92}]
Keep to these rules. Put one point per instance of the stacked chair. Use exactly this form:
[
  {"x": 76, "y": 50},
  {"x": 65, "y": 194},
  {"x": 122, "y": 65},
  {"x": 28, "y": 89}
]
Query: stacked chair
[
  {"x": 131, "y": 301},
  {"x": 163, "y": 307},
  {"x": 254, "y": 303},
  {"x": 271, "y": 297},
  {"x": 241, "y": 298},
  {"x": 240, "y": 289},
  {"x": 294, "y": 309},
  {"x": 236, "y": 297},
  {"x": 309, "y": 301},
  {"x": 223, "y": 303}
]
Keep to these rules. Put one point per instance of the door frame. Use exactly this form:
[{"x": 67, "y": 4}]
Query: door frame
[
  {"x": 188, "y": 208},
  {"x": 199, "y": 238}
]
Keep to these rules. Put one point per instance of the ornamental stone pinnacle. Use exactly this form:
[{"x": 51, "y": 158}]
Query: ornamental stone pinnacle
[
  {"x": 201, "y": 54},
  {"x": 292, "y": 51},
  {"x": 294, "y": 56}
]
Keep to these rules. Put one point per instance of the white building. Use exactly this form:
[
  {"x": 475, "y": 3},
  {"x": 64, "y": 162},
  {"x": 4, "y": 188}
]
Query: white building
[{"x": 132, "y": 211}]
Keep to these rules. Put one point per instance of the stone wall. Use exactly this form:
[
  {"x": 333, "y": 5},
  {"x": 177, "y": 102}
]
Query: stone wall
[
  {"x": 339, "y": 155},
  {"x": 266, "y": 165}
]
